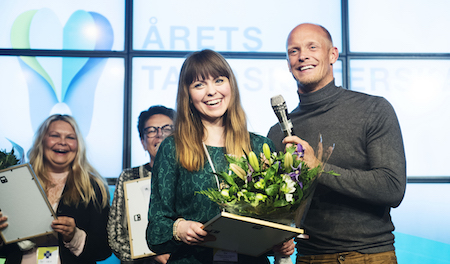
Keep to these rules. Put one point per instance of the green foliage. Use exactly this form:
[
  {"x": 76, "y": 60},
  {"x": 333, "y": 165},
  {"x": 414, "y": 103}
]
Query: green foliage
[
  {"x": 273, "y": 190},
  {"x": 7, "y": 159}
]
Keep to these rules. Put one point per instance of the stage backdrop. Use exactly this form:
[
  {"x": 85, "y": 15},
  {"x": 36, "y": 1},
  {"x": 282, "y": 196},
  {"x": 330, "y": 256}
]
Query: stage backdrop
[{"x": 396, "y": 49}]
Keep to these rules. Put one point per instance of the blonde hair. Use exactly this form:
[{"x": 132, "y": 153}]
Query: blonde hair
[
  {"x": 78, "y": 184},
  {"x": 189, "y": 129}
]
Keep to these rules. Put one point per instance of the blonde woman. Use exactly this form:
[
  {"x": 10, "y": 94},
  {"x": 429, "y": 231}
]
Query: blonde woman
[
  {"x": 210, "y": 123},
  {"x": 77, "y": 193}
]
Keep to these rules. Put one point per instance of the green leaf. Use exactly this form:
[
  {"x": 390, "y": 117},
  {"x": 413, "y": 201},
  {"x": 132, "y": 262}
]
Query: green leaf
[
  {"x": 291, "y": 149},
  {"x": 272, "y": 189},
  {"x": 270, "y": 173},
  {"x": 333, "y": 173},
  {"x": 250, "y": 195},
  {"x": 213, "y": 195},
  {"x": 227, "y": 178},
  {"x": 231, "y": 159},
  {"x": 299, "y": 195},
  {"x": 280, "y": 203},
  {"x": 234, "y": 189}
]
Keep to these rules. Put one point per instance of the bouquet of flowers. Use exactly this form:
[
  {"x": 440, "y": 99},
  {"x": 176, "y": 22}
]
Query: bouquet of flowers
[{"x": 273, "y": 186}]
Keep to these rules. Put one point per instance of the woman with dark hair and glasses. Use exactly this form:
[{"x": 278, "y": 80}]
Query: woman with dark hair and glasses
[{"x": 154, "y": 125}]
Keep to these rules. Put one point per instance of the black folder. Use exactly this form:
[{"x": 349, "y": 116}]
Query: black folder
[{"x": 247, "y": 235}]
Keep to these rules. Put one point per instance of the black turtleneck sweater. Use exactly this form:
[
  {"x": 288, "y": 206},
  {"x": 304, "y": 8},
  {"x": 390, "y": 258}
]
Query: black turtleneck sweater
[{"x": 350, "y": 212}]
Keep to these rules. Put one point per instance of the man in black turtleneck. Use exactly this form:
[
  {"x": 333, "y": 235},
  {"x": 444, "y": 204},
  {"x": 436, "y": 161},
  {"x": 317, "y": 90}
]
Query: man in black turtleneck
[{"x": 349, "y": 217}]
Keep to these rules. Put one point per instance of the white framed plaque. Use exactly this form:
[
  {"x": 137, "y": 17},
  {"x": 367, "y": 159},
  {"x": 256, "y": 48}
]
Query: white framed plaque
[
  {"x": 137, "y": 197},
  {"x": 24, "y": 202}
]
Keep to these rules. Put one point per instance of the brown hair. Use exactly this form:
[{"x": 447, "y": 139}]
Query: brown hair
[{"x": 189, "y": 129}]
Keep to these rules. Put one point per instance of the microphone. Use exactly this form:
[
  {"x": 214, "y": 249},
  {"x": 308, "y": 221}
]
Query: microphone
[{"x": 280, "y": 109}]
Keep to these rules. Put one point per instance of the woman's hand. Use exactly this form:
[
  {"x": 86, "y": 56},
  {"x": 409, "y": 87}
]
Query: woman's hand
[
  {"x": 309, "y": 156},
  {"x": 65, "y": 226},
  {"x": 287, "y": 248},
  {"x": 3, "y": 223},
  {"x": 192, "y": 233},
  {"x": 162, "y": 258}
]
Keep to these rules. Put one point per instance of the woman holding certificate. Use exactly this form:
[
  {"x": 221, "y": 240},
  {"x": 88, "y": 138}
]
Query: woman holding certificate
[
  {"x": 154, "y": 125},
  {"x": 77, "y": 193},
  {"x": 210, "y": 123}
]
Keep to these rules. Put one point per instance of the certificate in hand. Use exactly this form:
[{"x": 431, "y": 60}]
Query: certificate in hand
[
  {"x": 137, "y": 197},
  {"x": 246, "y": 235},
  {"x": 24, "y": 202}
]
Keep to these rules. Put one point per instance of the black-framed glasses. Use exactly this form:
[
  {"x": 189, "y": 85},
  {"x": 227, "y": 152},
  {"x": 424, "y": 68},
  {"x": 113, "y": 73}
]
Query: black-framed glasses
[{"x": 152, "y": 131}]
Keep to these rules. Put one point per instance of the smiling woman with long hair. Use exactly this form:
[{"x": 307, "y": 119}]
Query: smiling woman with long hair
[
  {"x": 210, "y": 123},
  {"x": 76, "y": 191},
  {"x": 190, "y": 128},
  {"x": 81, "y": 172}
]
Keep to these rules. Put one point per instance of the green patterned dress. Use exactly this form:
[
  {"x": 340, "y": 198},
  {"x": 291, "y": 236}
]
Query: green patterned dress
[{"x": 173, "y": 196}]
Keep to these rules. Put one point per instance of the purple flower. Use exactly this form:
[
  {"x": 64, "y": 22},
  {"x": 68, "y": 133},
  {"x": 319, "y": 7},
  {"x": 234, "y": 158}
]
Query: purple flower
[
  {"x": 249, "y": 173},
  {"x": 300, "y": 151},
  {"x": 296, "y": 173}
]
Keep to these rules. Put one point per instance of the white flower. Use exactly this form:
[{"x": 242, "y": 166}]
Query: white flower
[
  {"x": 288, "y": 185},
  {"x": 289, "y": 197},
  {"x": 225, "y": 193}
]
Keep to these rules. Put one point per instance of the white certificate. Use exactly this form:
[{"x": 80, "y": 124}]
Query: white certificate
[
  {"x": 24, "y": 202},
  {"x": 137, "y": 197}
]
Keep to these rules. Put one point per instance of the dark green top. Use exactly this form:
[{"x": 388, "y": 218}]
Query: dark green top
[{"x": 173, "y": 196}]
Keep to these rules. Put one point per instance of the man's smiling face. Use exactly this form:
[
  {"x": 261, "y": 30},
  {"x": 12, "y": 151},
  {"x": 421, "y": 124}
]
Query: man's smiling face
[{"x": 310, "y": 57}]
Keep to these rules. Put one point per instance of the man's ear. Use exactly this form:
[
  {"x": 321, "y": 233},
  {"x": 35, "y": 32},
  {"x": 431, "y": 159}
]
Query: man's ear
[{"x": 334, "y": 55}]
